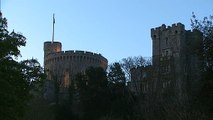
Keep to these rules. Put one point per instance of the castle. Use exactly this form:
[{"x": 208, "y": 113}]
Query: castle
[
  {"x": 62, "y": 66},
  {"x": 175, "y": 62},
  {"x": 175, "y": 65},
  {"x": 167, "y": 86}
]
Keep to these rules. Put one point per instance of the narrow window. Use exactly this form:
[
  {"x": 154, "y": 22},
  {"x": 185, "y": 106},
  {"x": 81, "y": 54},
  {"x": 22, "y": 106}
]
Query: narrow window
[
  {"x": 167, "y": 53},
  {"x": 166, "y": 41}
]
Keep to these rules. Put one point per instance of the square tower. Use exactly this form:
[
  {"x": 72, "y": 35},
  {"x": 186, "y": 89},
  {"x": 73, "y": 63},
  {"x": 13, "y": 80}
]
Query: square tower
[{"x": 174, "y": 57}]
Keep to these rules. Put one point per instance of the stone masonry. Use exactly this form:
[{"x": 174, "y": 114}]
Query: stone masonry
[
  {"x": 175, "y": 60},
  {"x": 62, "y": 66}
]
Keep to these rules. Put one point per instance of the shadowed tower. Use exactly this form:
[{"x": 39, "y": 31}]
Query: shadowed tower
[
  {"x": 62, "y": 66},
  {"x": 174, "y": 57}
]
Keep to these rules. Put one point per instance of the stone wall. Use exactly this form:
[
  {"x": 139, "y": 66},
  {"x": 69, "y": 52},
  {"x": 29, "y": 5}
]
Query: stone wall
[
  {"x": 64, "y": 65},
  {"x": 176, "y": 61}
]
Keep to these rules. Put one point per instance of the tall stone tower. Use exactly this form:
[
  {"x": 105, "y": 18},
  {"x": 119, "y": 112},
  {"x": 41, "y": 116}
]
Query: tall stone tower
[
  {"x": 175, "y": 57},
  {"x": 62, "y": 66},
  {"x": 50, "y": 47}
]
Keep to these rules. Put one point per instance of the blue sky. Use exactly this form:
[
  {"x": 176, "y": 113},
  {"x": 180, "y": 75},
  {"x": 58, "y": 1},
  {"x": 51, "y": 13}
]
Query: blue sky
[{"x": 115, "y": 28}]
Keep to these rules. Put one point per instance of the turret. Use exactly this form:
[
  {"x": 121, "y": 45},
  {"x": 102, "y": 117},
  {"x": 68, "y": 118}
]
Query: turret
[{"x": 51, "y": 47}]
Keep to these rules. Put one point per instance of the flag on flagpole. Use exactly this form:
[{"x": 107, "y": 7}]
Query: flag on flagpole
[
  {"x": 53, "y": 27},
  {"x": 53, "y": 18}
]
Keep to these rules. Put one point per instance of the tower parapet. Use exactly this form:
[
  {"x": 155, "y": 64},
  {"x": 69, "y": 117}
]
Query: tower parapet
[
  {"x": 167, "y": 40},
  {"x": 51, "y": 47},
  {"x": 174, "y": 29},
  {"x": 75, "y": 55}
]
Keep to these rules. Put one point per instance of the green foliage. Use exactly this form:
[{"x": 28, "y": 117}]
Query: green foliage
[
  {"x": 133, "y": 62},
  {"x": 93, "y": 93},
  {"x": 17, "y": 79},
  {"x": 13, "y": 90},
  {"x": 116, "y": 74},
  {"x": 99, "y": 97},
  {"x": 205, "y": 94},
  {"x": 206, "y": 27},
  {"x": 121, "y": 102},
  {"x": 34, "y": 74},
  {"x": 121, "y": 105}
]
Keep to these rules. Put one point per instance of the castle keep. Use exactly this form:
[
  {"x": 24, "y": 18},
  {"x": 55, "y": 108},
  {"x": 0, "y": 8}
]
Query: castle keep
[
  {"x": 64, "y": 65},
  {"x": 176, "y": 61}
]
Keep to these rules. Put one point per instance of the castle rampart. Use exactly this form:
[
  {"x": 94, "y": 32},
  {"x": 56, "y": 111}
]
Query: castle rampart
[
  {"x": 85, "y": 56},
  {"x": 50, "y": 47}
]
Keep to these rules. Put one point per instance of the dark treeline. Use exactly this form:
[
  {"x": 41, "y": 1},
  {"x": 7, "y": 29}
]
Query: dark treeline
[
  {"x": 19, "y": 81},
  {"x": 98, "y": 95}
]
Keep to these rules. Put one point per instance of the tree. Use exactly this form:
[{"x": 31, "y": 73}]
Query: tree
[
  {"x": 205, "y": 93},
  {"x": 92, "y": 87},
  {"x": 17, "y": 79},
  {"x": 116, "y": 74},
  {"x": 121, "y": 98},
  {"x": 206, "y": 27},
  {"x": 133, "y": 62}
]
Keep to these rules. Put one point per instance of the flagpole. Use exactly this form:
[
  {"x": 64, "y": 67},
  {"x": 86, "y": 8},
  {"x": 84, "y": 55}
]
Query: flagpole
[{"x": 53, "y": 28}]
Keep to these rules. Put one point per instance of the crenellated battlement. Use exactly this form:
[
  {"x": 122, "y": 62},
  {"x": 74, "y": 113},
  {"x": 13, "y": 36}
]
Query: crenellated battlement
[
  {"x": 73, "y": 52},
  {"x": 75, "y": 55},
  {"x": 51, "y": 47},
  {"x": 80, "y": 52},
  {"x": 53, "y": 55},
  {"x": 177, "y": 28}
]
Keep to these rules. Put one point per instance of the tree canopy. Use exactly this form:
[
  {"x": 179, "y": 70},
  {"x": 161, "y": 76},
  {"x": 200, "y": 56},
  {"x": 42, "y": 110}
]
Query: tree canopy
[
  {"x": 116, "y": 74},
  {"x": 205, "y": 94},
  {"x": 17, "y": 79},
  {"x": 206, "y": 27}
]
